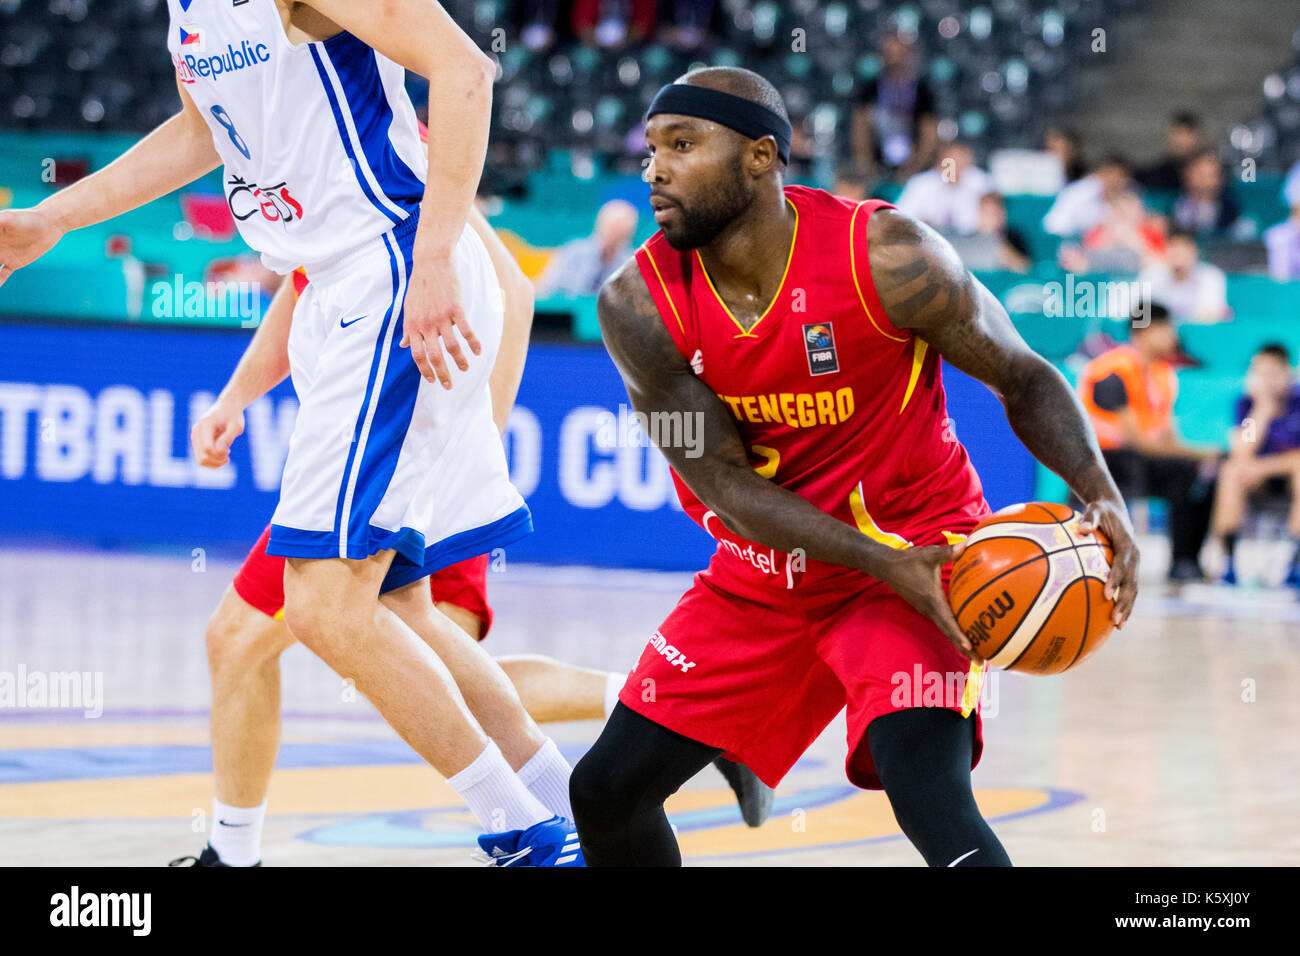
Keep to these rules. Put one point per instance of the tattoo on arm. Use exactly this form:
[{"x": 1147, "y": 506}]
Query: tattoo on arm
[{"x": 925, "y": 288}]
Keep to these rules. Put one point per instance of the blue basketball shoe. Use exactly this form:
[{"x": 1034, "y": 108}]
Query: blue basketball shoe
[{"x": 552, "y": 842}]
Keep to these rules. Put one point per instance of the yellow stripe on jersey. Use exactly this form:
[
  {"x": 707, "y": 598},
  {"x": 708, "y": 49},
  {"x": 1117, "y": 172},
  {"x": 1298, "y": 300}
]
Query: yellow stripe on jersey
[
  {"x": 744, "y": 332},
  {"x": 663, "y": 285},
  {"x": 919, "y": 348},
  {"x": 868, "y": 526},
  {"x": 853, "y": 267},
  {"x": 970, "y": 695}
]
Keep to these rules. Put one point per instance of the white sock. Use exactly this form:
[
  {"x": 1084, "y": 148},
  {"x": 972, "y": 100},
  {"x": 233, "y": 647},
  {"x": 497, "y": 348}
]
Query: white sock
[
  {"x": 613, "y": 684},
  {"x": 237, "y": 833},
  {"x": 495, "y": 794},
  {"x": 546, "y": 775}
]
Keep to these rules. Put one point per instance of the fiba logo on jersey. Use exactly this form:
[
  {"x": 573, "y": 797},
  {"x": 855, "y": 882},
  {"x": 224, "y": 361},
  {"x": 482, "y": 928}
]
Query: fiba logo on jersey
[{"x": 819, "y": 341}]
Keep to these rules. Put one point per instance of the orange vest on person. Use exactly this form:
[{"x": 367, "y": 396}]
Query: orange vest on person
[{"x": 1151, "y": 392}]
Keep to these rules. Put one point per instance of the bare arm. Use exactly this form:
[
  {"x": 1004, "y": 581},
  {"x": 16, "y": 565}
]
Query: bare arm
[
  {"x": 419, "y": 35},
  {"x": 924, "y": 287},
  {"x": 658, "y": 379},
  {"x": 518, "y": 292},
  {"x": 264, "y": 365},
  {"x": 176, "y": 153},
  {"x": 173, "y": 155}
]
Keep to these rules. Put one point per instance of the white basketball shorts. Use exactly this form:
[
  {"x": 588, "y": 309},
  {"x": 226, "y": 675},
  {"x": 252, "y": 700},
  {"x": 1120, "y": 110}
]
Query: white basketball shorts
[{"x": 379, "y": 458}]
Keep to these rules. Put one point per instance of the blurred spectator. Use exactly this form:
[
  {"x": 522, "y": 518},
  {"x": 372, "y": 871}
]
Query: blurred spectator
[
  {"x": 688, "y": 22},
  {"x": 614, "y": 23},
  {"x": 1064, "y": 143},
  {"x": 1204, "y": 206},
  {"x": 1129, "y": 394},
  {"x": 1183, "y": 140},
  {"x": 808, "y": 163},
  {"x": 580, "y": 266},
  {"x": 948, "y": 196},
  {"x": 1283, "y": 239},
  {"x": 1264, "y": 454},
  {"x": 1192, "y": 290},
  {"x": 1125, "y": 241},
  {"x": 849, "y": 184},
  {"x": 540, "y": 18},
  {"x": 993, "y": 247},
  {"x": 895, "y": 129},
  {"x": 1083, "y": 203}
]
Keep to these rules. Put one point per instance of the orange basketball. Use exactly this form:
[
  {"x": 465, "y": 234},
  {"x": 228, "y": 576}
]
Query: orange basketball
[{"x": 1029, "y": 589}]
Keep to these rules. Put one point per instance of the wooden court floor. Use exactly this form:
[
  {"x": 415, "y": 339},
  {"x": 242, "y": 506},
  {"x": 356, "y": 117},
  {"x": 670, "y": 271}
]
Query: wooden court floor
[{"x": 1177, "y": 744}]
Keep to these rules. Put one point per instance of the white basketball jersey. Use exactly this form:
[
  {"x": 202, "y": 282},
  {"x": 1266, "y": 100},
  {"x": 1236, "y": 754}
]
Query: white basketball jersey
[{"x": 320, "y": 142}]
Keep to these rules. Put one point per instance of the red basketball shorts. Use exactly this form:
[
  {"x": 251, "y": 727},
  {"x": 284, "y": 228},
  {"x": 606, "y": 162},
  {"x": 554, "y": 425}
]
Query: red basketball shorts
[
  {"x": 260, "y": 582},
  {"x": 761, "y": 679}
]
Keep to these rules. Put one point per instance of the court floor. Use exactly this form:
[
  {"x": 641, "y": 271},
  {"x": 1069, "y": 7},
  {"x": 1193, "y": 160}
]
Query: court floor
[{"x": 1175, "y": 745}]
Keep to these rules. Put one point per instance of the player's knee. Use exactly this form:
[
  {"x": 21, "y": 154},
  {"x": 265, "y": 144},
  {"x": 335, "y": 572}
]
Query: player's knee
[
  {"x": 312, "y": 622},
  {"x": 238, "y": 642},
  {"x": 594, "y": 793}
]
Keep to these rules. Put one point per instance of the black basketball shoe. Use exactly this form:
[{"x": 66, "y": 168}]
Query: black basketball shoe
[
  {"x": 753, "y": 795},
  {"x": 207, "y": 858}
]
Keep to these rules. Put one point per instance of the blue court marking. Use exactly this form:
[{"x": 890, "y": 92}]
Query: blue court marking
[
  {"x": 36, "y": 765},
  {"x": 452, "y": 828},
  {"x": 101, "y": 763},
  {"x": 410, "y": 829},
  {"x": 1056, "y": 800}
]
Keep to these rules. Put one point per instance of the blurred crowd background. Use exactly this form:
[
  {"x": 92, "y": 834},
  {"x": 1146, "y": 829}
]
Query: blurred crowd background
[{"x": 1123, "y": 174}]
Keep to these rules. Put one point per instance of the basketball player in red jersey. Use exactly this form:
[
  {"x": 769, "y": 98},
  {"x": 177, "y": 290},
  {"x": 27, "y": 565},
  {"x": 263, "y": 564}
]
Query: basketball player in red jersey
[
  {"x": 247, "y": 634},
  {"x": 804, "y": 334}
]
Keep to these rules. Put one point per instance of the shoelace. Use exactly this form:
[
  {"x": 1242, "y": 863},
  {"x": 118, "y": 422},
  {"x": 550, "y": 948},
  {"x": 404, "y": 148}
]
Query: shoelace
[
  {"x": 185, "y": 861},
  {"x": 508, "y": 859}
]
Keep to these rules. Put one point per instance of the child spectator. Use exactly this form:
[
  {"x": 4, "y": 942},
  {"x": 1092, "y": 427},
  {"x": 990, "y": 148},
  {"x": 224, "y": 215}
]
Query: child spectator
[{"x": 1264, "y": 456}]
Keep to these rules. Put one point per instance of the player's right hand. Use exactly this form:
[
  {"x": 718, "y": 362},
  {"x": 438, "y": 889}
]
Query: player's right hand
[
  {"x": 25, "y": 236},
  {"x": 213, "y": 434},
  {"x": 914, "y": 575}
]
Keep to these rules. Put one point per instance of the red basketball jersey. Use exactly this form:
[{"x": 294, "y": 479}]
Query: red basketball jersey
[{"x": 833, "y": 402}]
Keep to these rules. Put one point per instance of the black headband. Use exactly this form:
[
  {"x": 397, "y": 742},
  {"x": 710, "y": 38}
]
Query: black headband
[{"x": 734, "y": 112}]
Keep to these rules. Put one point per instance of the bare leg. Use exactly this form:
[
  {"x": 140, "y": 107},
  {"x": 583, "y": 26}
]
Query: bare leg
[
  {"x": 1230, "y": 494},
  {"x": 487, "y": 691},
  {"x": 332, "y": 607},
  {"x": 244, "y": 647},
  {"x": 553, "y": 691},
  {"x": 1292, "y": 461}
]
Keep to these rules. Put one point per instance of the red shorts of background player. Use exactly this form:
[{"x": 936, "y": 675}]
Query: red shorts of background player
[
  {"x": 260, "y": 582},
  {"x": 761, "y": 676}
]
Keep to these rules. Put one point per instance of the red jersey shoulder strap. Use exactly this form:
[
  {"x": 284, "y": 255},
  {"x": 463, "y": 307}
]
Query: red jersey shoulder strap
[
  {"x": 860, "y": 266},
  {"x": 663, "y": 269}
]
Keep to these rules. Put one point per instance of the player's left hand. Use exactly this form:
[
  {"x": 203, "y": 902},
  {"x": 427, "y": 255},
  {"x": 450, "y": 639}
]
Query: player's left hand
[
  {"x": 431, "y": 317},
  {"x": 1122, "y": 582}
]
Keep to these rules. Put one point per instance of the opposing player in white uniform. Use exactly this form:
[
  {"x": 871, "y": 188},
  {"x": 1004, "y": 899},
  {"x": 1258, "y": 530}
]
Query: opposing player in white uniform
[{"x": 395, "y": 468}]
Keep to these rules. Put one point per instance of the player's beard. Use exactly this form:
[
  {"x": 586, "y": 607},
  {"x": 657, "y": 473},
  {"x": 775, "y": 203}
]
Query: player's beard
[{"x": 719, "y": 206}]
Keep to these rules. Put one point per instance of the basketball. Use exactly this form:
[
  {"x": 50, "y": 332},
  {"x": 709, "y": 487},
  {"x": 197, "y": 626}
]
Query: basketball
[{"x": 1028, "y": 591}]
